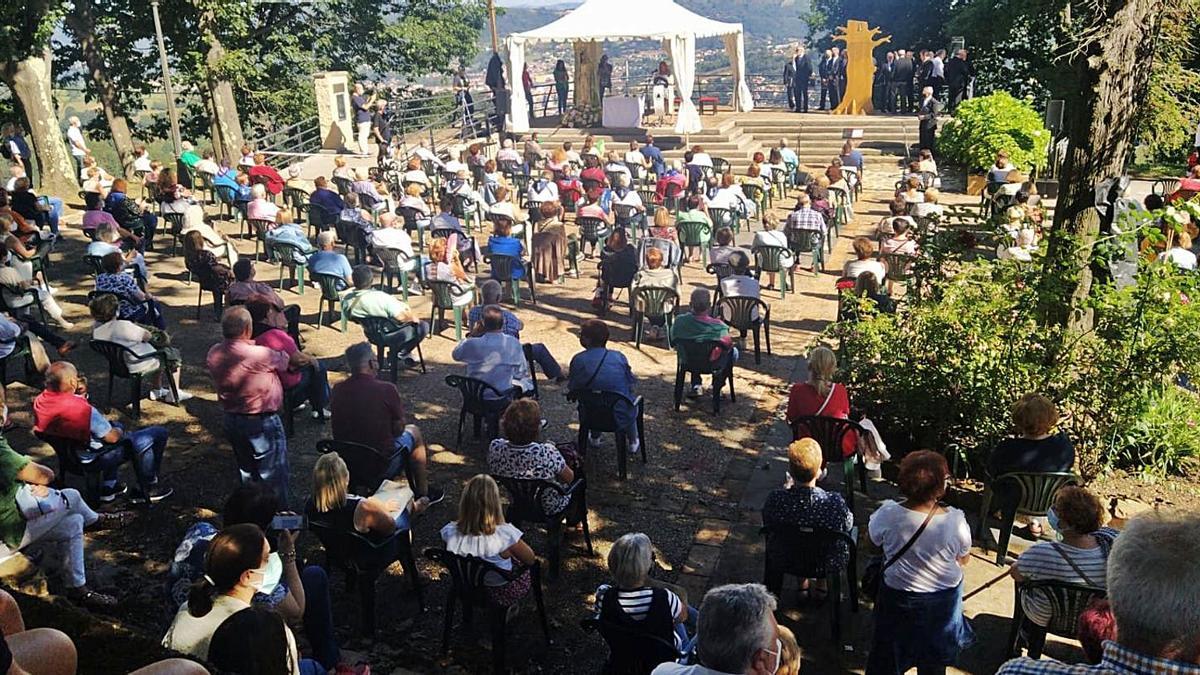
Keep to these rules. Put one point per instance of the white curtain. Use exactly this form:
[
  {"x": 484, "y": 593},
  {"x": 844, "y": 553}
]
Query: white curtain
[
  {"x": 683, "y": 63},
  {"x": 735, "y": 49},
  {"x": 518, "y": 109}
]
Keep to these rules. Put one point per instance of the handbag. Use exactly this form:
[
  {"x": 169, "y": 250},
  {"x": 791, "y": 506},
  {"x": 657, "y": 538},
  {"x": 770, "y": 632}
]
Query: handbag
[{"x": 872, "y": 577}]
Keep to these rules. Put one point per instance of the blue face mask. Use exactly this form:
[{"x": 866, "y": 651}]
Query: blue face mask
[{"x": 1052, "y": 518}]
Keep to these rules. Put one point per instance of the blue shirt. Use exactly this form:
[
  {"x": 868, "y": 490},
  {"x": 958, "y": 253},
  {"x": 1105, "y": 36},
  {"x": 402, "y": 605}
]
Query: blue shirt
[
  {"x": 328, "y": 200},
  {"x": 653, "y": 154},
  {"x": 612, "y": 373},
  {"x": 512, "y": 325},
  {"x": 330, "y": 262},
  {"x": 227, "y": 179},
  {"x": 291, "y": 234},
  {"x": 509, "y": 246}
]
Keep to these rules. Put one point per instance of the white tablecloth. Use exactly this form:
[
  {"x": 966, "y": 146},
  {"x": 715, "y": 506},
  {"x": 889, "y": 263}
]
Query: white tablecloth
[{"x": 622, "y": 112}]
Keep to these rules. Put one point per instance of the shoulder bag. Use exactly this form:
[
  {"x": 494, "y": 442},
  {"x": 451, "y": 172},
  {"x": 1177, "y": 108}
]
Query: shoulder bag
[{"x": 872, "y": 577}]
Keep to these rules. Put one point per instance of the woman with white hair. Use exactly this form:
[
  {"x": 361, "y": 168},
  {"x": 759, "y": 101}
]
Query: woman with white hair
[
  {"x": 107, "y": 241},
  {"x": 636, "y": 602},
  {"x": 365, "y": 187},
  {"x": 260, "y": 208}
]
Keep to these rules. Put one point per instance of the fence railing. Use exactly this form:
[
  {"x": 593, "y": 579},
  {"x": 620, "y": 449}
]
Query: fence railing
[{"x": 291, "y": 144}]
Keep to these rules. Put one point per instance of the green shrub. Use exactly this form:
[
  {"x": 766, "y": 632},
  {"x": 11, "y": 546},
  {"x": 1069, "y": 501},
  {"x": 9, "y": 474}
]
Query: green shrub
[
  {"x": 946, "y": 368},
  {"x": 983, "y": 126}
]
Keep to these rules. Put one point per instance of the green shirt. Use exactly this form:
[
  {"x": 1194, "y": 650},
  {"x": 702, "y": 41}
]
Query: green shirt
[
  {"x": 368, "y": 303},
  {"x": 189, "y": 158},
  {"x": 688, "y": 327},
  {"x": 12, "y": 525}
]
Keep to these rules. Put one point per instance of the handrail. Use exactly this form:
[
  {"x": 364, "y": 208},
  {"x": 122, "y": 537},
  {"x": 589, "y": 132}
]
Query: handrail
[{"x": 291, "y": 143}]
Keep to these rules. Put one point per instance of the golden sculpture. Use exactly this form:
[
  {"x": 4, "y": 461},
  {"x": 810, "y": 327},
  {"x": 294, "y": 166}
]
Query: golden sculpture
[{"x": 860, "y": 42}]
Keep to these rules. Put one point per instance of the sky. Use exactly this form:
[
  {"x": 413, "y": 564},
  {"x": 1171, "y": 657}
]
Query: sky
[{"x": 534, "y": 3}]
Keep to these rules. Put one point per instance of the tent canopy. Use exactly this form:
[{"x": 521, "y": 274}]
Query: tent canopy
[
  {"x": 628, "y": 20},
  {"x": 600, "y": 20}
]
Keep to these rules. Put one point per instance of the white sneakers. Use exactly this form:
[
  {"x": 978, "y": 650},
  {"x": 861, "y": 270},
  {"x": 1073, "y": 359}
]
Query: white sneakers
[{"x": 164, "y": 395}]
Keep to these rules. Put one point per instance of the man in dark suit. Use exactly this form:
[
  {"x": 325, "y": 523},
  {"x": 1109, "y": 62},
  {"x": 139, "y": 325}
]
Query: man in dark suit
[
  {"x": 927, "y": 115},
  {"x": 881, "y": 82},
  {"x": 837, "y": 78},
  {"x": 789, "y": 74},
  {"x": 823, "y": 69},
  {"x": 803, "y": 73},
  {"x": 902, "y": 82},
  {"x": 959, "y": 73}
]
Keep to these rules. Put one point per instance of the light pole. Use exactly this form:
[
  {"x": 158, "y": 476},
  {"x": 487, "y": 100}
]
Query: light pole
[
  {"x": 166, "y": 73},
  {"x": 492, "y": 20}
]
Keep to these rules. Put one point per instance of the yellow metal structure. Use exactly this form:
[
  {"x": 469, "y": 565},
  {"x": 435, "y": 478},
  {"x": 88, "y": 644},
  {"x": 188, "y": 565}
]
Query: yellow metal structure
[{"x": 860, "y": 66}]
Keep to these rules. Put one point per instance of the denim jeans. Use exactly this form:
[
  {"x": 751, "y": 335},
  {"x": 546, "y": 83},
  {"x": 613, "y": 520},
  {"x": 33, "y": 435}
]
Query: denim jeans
[
  {"x": 55, "y": 214},
  {"x": 318, "y": 617},
  {"x": 60, "y": 536},
  {"x": 313, "y": 386},
  {"x": 546, "y": 361},
  {"x": 408, "y": 337},
  {"x": 143, "y": 448},
  {"x": 260, "y": 449},
  {"x": 399, "y": 459}
]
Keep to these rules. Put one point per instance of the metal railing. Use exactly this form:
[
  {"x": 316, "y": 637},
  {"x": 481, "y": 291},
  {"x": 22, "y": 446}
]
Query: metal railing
[{"x": 291, "y": 144}]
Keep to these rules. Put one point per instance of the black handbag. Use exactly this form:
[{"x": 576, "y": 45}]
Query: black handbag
[{"x": 872, "y": 577}]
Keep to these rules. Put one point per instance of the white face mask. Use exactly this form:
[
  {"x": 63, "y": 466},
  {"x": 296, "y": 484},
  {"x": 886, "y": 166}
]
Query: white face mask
[
  {"x": 778, "y": 653},
  {"x": 257, "y": 578}
]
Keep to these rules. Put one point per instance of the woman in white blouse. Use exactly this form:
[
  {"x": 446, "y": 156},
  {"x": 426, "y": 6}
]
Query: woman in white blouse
[{"x": 481, "y": 532}]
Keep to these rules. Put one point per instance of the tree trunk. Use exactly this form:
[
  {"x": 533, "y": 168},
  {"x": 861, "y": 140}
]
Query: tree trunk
[
  {"x": 82, "y": 25},
  {"x": 227, "y": 126},
  {"x": 1112, "y": 71},
  {"x": 30, "y": 81}
]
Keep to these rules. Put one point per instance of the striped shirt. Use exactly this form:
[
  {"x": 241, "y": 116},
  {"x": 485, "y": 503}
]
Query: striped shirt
[
  {"x": 1042, "y": 562},
  {"x": 636, "y": 603}
]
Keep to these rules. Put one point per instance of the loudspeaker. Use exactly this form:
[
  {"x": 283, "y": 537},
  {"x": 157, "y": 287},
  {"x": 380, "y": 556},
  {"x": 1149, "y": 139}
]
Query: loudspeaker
[{"x": 1054, "y": 116}]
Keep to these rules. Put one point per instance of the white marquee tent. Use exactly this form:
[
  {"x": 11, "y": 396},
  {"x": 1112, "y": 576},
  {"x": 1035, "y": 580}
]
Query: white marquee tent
[{"x": 598, "y": 20}]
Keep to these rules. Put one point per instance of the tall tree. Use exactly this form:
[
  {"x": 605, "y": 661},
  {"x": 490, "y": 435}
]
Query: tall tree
[
  {"x": 82, "y": 20},
  {"x": 26, "y": 66}
]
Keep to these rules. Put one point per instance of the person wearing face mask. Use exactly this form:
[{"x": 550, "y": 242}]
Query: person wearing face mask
[
  {"x": 737, "y": 634},
  {"x": 235, "y": 569},
  {"x": 1080, "y": 556}
]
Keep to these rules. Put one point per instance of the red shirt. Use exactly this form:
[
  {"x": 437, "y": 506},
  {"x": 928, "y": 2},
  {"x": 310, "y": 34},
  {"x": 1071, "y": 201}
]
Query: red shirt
[
  {"x": 805, "y": 400},
  {"x": 366, "y": 410},
  {"x": 281, "y": 342},
  {"x": 246, "y": 376},
  {"x": 63, "y": 414},
  {"x": 274, "y": 181}
]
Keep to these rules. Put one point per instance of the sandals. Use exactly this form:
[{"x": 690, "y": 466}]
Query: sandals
[{"x": 112, "y": 521}]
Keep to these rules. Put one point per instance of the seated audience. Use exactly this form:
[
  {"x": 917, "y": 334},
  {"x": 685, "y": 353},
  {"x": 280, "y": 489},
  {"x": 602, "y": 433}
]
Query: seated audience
[
  {"x": 618, "y": 265},
  {"x": 494, "y": 357},
  {"x": 146, "y": 346},
  {"x": 598, "y": 368},
  {"x": 129, "y": 214},
  {"x": 771, "y": 235},
  {"x": 14, "y": 288},
  {"x": 929, "y": 207},
  {"x": 503, "y": 243},
  {"x": 636, "y": 602},
  {"x": 200, "y": 261},
  {"x": 261, "y": 208},
  {"x": 246, "y": 286},
  {"x": 333, "y": 503},
  {"x": 108, "y": 240},
  {"x": 518, "y": 454},
  {"x": 369, "y": 411},
  {"x": 365, "y": 301},
  {"x": 480, "y": 531},
  {"x": 655, "y": 275},
  {"x": 303, "y": 385},
  {"x": 136, "y": 305},
  {"x": 1180, "y": 254},
  {"x": 736, "y": 633},
  {"x": 740, "y": 283},
  {"x": 664, "y": 226},
  {"x": 328, "y": 261},
  {"x": 262, "y": 174},
  {"x": 802, "y": 503},
  {"x": 724, "y": 247},
  {"x": 898, "y": 211},
  {"x": 898, "y": 242},
  {"x": 550, "y": 243},
  {"x": 918, "y": 612},
  {"x": 288, "y": 232},
  {"x": 864, "y": 262},
  {"x": 1154, "y": 591},
  {"x": 867, "y": 286},
  {"x": 700, "y": 326},
  {"x": 1037, "y": 450},
  {"x": 61, "y": 411},
  {"x": 821, "y": 396}
]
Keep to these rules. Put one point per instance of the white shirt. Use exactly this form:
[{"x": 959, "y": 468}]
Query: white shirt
[
  {"x": 637, "y": 158},
  {"x": 486, "y": 546},
  {"x": 857, "y": 267},
  {"x": 141, "y": 163},
  {"x": 672, "y": 668},
  {"x": 1181, "y": 257},
  {"x": 938, "y": 69},
  {"x": 132, "y": 336},
  {"x": 931, "y": 564},
  {"x": 78, "y": 145},
  {"x": 702, "y": 159},
  {"x": 415, "y": 176},
  {"x": 208, "y": 166},
  {"x": 393, "y": 238},
  {"x": 615, "y": 167},
  {"x": 548, "y": 193}
]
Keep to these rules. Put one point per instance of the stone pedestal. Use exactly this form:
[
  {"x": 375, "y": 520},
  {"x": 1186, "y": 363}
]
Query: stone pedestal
[{"x": 332, "y": 93}]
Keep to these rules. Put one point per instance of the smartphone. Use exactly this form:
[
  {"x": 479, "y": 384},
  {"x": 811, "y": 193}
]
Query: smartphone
[{"x": 289, "y": 521}]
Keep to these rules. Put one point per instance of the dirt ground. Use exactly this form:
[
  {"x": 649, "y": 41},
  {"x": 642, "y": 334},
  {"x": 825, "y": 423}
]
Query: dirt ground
[{"x": 701, "y": 467}]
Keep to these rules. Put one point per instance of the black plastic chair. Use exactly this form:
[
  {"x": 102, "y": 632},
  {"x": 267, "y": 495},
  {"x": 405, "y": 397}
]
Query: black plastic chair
[
  {"x": 364, "y": 559},
  {"x": 467, "y": 580},
  {"x": 444, "y": 295},
  {"x": 378, "y": 330},
  {"x": 829, "y": 433},
  {"x": 804, "y": 552},
  {"x": 631, "y": 652},
  {"x": 693, "y": 357},
  {"x": 1067, "y": 601},
  {"x": 116, "y": 354},
  {"x": 481, "y": 410},
  {"x": 330, "y": 296},
  {"x": 70, "y": 462},
  {"x": 366, "y": 464},
  {"x": 525, "y": 506},
  {"x": 21, "y": 352},
  {"x": 502, "y": 271},
  {"x": 738, "y": 312},
  {"x": 343, "y": 185},
  {"x": 1037, "y": 496},
  {"x": 207, "y": 282},
  {"x": 596, "y": 415},
  {"x": 649, "y": 302},
  {"x": 175, "y": 230}
]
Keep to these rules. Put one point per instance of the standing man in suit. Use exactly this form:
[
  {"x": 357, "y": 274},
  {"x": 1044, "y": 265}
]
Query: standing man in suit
[
  {"x": 837, "y": 78},
  {"x": 801, "y": 76},
  {"x": 823, "y": 69},
  {"x": 902, "y": 82},
  {"x": 879, "y": 86},
  {"x": 927, "y": 115},
  {"x": 959, "y": 73},
  {"x": 789, "y": 75}
]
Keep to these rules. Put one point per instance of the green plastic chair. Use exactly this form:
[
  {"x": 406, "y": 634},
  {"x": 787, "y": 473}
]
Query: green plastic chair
[
  {"x": 286, "y": 253},
  {"x": 444, "y": 295},
  {"x": 695, "y": 234},
  {"x": 1037, "y": 496},
  {"x": 260, "y": 229},
  {"x": 649, "y": 302},
  {"x": 330, "y": 295},
  {"x": 807, "y": 242},
  {"x": 395, "y": 263},
  {"x": 725, "y": 218},
  {"x": 899, "y": 267},
  {"x": 770, "y": 259}
]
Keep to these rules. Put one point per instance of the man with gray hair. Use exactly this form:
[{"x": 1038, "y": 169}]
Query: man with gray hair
[
  {"x": 1154, "y": 590},
  {"x": 490, "y": 293},
  {"x": 737, "y": 634},
  {"x": 328, "y": 261},
  {"x": 700, "y": 326},
  {"x": 369, "y": 411},
  {"x": 246, "y": 377}
]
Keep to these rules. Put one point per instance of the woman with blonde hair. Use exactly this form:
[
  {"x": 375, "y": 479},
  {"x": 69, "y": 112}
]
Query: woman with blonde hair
[
  {"x": 664, "y": 226},
  {"x": 412, "y": 199},
  {"x": 332, "y": 502},
  {"x": 821, "y": 396},
  {"x": 801, "y": 502},
  {"x": 445, "y": 265},
  {"x": 481, "y": 532},
  {"x": 789, "y": 660},
  {"x": 1037, "y": 448}
]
